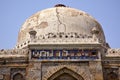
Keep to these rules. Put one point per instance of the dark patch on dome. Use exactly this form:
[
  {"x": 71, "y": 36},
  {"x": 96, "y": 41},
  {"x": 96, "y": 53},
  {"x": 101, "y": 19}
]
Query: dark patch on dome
[
  {"x": 59, "y": 5},
  {"x": 43, "y": 24}
]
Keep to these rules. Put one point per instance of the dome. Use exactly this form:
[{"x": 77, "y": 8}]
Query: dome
[{"x": 59, "y": 20}]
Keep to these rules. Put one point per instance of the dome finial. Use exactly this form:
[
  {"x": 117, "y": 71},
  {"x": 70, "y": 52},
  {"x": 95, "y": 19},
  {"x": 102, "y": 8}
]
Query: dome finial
[{"x": 59, "y": 5}]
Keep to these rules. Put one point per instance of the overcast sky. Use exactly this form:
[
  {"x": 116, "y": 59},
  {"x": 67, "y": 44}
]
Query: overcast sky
[{"x": 13, "y": 14}]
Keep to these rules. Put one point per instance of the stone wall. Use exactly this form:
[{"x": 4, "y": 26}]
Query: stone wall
[
  {"x": 34, "y": 71},
  {"x": 8, "y": 73},
  {"x": 96, "y": 70},
  {"x": 73, "y": 68},
  {"x": 4, "y": 73}
]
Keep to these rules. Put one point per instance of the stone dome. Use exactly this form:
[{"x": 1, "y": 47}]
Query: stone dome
[{"x": 60, "y": 20}]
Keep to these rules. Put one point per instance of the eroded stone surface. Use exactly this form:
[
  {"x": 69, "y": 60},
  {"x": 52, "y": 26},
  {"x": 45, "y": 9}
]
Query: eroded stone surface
[{"x": 60, "y": 19}]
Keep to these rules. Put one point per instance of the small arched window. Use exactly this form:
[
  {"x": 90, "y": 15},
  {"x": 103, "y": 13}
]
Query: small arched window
[{"x": 112, "y": 76}]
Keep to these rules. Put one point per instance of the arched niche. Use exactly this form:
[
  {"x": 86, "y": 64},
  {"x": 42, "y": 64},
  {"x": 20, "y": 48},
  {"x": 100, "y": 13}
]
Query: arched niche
[
  {"x": 18, "y": 76},
  {"x": 112, "y": 76}
]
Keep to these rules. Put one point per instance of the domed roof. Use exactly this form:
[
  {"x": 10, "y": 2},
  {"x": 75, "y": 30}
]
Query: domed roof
[{"x": 59, "y": 20}]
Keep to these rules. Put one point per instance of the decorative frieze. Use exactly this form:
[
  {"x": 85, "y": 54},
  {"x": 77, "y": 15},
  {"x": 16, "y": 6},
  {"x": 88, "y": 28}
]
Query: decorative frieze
[{"x": 64, "y": 54}]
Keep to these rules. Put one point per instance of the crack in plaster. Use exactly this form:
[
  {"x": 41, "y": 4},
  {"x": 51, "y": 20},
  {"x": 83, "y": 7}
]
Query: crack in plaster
[{"x": 60, "y": 22}]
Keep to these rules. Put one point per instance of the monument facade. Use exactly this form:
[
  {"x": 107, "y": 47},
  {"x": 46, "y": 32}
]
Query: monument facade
[{"x": 60, "y": 43}]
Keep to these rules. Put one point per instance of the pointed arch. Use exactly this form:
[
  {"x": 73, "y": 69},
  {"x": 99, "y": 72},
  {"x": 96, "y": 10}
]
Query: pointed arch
[
  {"x": 65, "y": 71},
  {"x": 81, "y": 71}
]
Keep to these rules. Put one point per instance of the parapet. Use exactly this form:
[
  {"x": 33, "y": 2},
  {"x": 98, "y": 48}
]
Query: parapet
[{"x": 113, "y": 53}]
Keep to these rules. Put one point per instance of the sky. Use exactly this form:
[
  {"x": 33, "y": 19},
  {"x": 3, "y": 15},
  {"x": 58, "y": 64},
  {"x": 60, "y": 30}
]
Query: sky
[{"x": 13, "y": 14}]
